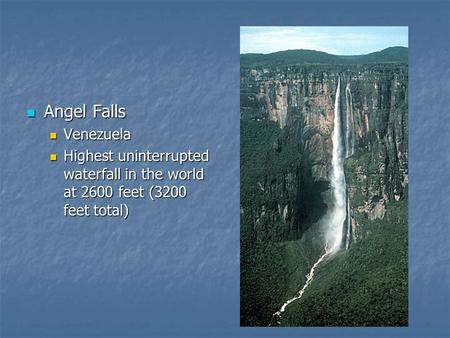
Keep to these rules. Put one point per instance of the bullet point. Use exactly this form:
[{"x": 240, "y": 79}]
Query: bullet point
[
  {"x": 52, "y": 157},
  {"x": 52, "y": 136},
  {"x": 31, "y": 113}
]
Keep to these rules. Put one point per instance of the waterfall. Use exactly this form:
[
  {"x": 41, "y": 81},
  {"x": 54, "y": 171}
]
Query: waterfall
[
  {"x": 339, "y": 209},
  {"x": 334, "y": 219},
  {"x": 348, "y": 233},
  {"x": 349, "y": 151},
  {"x": 349, "y": 124}
]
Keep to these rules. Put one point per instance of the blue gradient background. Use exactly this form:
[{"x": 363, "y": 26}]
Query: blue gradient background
[{"x": 172, "y": 269}]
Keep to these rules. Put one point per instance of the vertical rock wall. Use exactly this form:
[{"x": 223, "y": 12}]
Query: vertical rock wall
[{"x": 300, "y": 101}]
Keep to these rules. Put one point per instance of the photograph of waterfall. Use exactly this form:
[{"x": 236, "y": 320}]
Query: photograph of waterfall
[{"x": 324, "y": 176}]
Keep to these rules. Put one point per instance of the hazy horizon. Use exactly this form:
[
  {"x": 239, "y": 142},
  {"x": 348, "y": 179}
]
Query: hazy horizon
[
  {"x": 321, "y": 51},
  {"x": 332, "y": 40}
]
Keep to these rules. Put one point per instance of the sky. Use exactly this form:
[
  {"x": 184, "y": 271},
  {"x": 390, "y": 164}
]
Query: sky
[{"x": 334, "y": 40}]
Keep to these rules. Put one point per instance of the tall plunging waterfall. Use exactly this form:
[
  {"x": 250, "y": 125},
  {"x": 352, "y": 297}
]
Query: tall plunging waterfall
[
  {"x": 334, "y": 219},
  {"x": 339, "y": 209},
  {"x": 349, "y": 129},
  {"x": 349, "y": 151}
]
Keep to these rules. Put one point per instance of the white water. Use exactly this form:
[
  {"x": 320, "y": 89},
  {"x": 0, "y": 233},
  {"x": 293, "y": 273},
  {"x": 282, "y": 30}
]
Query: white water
[
  {"x": 349, "y": 123},
  {"x": 349, "y": 225},
  {"x": 309, "y": 279},
  {"x": 335, "y": 218},
  {"x": 349, "y": 149}
]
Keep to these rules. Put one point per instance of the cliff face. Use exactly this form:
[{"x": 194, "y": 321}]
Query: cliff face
[
  {"x": 300, "y": 101},
  {"x": 378, "y": 173}
]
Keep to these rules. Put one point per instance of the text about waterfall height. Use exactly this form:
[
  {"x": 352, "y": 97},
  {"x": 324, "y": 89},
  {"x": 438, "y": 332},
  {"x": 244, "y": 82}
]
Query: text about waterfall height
[{"x": 147, "y": 182}]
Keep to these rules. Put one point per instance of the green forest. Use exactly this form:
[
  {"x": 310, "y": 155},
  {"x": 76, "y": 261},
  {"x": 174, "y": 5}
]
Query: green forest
[{"x": 366, "y": 285}]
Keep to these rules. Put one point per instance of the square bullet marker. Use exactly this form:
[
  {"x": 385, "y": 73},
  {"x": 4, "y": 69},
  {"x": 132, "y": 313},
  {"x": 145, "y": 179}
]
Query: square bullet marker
[
  {"x": 52, "y": 136},
  {"x": 31, "y": 113},
  {"x": 52, "y": 157}
]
